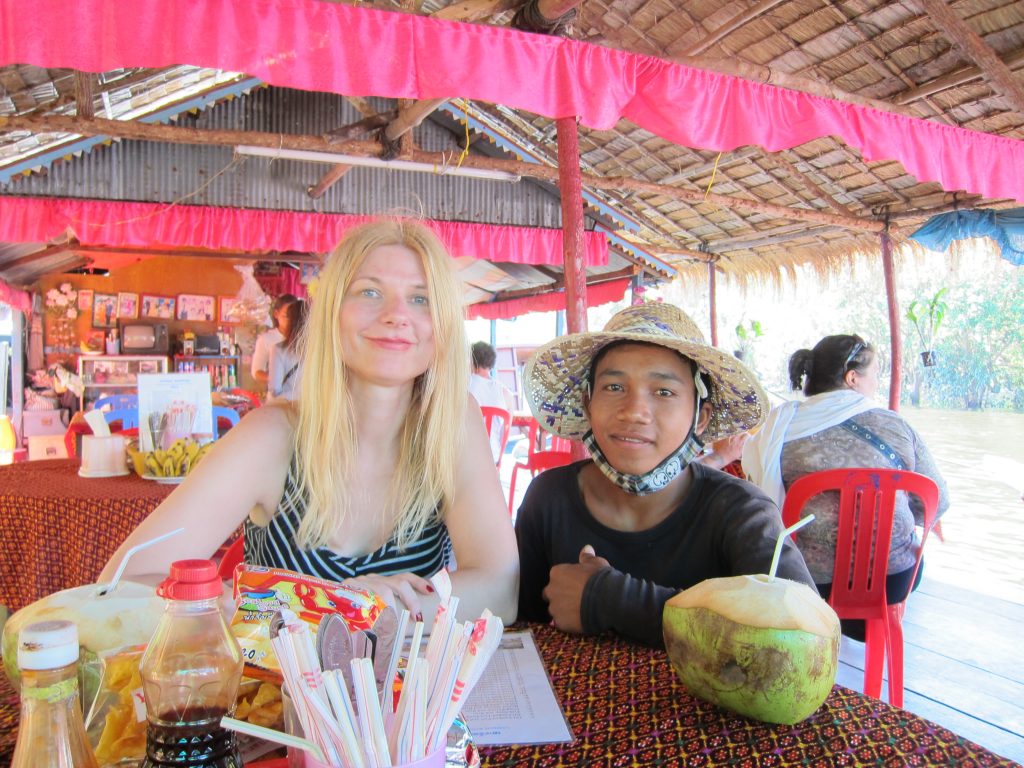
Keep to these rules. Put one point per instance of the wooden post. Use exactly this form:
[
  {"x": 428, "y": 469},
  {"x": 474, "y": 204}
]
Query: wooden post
[
  {"x": 570, "y": 187},
  {"x": 895, "y": 341},
  {"x": 712, "y": 306}
]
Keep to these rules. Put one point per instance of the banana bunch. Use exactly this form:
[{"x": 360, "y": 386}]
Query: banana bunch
[{"x": 176, "y": 461}]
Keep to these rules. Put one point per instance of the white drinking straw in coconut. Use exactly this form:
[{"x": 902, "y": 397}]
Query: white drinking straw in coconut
[
  {"x": 782, "y": 538},
  {"x": 104, "y": 589}
]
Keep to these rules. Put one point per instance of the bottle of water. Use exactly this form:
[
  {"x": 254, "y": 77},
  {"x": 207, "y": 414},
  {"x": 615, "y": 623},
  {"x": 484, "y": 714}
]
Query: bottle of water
[{"x": 51, "y": 734}]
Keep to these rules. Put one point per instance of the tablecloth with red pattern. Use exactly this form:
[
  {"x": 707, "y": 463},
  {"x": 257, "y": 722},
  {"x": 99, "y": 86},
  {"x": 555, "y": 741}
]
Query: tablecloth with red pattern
[
  {"x": 57, "y": 530},
  {"x": 626, "y": 707}
]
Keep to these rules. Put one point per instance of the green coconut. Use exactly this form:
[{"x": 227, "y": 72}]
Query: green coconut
[
  {"x": 126, "y": 616},
  {"x": 765, "y": 648}
]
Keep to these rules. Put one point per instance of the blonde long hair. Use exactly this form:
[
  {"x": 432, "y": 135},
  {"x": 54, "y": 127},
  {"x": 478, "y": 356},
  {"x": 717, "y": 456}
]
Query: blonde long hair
[{"x": 431, "y": 437}]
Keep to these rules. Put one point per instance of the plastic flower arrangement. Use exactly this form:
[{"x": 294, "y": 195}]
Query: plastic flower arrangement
[{"x": 62, "y": 302}]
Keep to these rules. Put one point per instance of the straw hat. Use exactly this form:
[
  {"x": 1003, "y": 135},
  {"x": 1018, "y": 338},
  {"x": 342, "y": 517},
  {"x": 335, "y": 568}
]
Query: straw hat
[{"x": 556, "y": 375}]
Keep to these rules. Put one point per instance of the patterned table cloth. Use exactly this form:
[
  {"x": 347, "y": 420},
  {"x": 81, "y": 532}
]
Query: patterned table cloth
[
  {"x": 57, "y": 530},
  {"x": 626, "y": 707}
]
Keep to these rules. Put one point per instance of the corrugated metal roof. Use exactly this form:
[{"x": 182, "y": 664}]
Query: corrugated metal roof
[{"x": 207, "y": 175}]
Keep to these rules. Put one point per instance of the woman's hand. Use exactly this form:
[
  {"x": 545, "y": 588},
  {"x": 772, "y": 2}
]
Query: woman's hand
[{"x": 402, "y": 590}]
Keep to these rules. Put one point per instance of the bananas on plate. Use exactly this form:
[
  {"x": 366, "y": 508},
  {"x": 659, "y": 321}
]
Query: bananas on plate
[{"x": 176, "y": 461}]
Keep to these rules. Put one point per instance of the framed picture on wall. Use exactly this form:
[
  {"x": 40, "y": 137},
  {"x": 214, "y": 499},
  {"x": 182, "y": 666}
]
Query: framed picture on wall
[
  {"x": 128, "y": 305},
  {"x": 192, "y": 306},
  {"x": 104, "y": 310},
  {"x": 225, "y": 305},
  {"x": 84, "y": 299},
  {"x": 157, "y": 307}
]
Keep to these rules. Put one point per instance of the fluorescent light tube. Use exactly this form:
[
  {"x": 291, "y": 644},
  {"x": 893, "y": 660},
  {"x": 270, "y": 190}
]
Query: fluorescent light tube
[{"x": 334, "y": 158}]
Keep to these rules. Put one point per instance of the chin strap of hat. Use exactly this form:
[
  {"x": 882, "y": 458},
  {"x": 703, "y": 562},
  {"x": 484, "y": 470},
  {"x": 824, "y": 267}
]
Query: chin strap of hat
[{"x": 702, "y": 394}]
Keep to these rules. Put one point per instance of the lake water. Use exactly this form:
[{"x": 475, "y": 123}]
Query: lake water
[{"x": 981, "y": 456}]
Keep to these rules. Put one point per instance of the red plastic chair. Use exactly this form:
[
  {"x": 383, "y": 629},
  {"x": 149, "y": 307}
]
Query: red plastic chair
[
  {"x": 232, "y": 556},
  {"x": 252, "y": 397},
  {"x": 497, "y": 418},
  {"x": 867, "y": 501},
  {"x": 540, "y": 457}
]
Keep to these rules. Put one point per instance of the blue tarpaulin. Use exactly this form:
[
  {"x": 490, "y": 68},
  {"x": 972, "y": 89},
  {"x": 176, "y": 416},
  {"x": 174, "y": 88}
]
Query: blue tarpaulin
[{"x": 1005, "y": 227}]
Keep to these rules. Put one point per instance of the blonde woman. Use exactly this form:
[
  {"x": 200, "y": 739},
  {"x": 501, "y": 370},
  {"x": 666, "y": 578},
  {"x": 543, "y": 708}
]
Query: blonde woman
[{"x": 380, "y": 473}]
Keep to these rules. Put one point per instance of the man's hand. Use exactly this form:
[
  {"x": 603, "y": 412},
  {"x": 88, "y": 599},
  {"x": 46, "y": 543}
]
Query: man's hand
[{"x": 564, "y": 592}]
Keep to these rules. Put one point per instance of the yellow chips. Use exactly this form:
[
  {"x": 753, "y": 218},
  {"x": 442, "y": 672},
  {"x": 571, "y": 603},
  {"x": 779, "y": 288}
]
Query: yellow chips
[
  {"x": 124, "y": 728},
  {"x": 123, "y": 735},
  {"x": 264, "y": 708}
]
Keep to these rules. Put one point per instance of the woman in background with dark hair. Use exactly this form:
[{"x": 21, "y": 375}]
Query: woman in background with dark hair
[
  {"x": 286, "y": 357},
  {"x": 839, "y": 425}
]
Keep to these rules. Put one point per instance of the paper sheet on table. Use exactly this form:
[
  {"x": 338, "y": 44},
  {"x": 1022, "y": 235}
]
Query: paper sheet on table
[{"x": 513, "y": 702}]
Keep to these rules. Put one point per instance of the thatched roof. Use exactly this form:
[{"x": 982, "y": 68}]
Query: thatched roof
[{"x": 957, "y": 64}]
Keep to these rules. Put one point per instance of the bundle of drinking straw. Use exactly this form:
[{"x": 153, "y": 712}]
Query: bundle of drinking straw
[{"x": 358, "y": 726}]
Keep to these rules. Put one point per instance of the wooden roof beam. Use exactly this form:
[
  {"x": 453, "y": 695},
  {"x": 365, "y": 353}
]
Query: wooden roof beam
[
  {"x": 475, "y": 10},
  {"x": 275, "y": 256},
  {"x": 414, "y": 113},
  {"x": 739, "y": 244},
  {"x": 952, "y": 80},
  {"x": 83, "y": 94},
  {"x": 961, "y": 36},
  {"x": 688, "y": 253},
  {"x": 762, "y": 74},
  {"x": 231, "y": 138},
  {"x": 730, "y": 26},
  {"x": 781, "y": 162},
  {"x": 351, "y": 131},
  {"x": 732, "y": 158},
  {"x": 559, "y": 284},
  {"x": 35, "y": 256}
]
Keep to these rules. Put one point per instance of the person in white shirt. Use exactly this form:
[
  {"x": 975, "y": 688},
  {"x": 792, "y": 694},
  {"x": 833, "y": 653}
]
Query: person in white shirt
[
  {"x": 286, "y": 357},
  {"x": 488, "y": 391},
  {"x": 266, "y": 341}
]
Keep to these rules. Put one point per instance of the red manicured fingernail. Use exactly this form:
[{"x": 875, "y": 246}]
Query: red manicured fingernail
[{"x": 429, "y": 588}]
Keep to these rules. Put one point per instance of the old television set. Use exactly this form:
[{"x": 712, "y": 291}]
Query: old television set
[{"x": 139, "y": 337}]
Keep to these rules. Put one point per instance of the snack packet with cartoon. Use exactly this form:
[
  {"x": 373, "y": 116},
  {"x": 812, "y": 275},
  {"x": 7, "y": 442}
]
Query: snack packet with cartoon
[{"x": 261, "y": 592}]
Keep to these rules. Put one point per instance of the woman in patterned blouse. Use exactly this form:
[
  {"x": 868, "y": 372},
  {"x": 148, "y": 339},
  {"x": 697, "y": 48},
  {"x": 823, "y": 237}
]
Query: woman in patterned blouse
[{"x": 839, "y": 425}]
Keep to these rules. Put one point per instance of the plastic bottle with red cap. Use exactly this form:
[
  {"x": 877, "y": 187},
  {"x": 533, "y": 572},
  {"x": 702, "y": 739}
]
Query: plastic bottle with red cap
[
  {"x": 51, "y": 734},
  {"x": 190, "y": 674}
]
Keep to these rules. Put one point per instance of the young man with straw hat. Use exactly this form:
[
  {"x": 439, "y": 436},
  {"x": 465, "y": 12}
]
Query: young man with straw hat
[{"x": 603, "y": 543}]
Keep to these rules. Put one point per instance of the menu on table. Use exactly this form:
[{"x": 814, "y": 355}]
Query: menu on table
[{"x": 513, "y": 702}]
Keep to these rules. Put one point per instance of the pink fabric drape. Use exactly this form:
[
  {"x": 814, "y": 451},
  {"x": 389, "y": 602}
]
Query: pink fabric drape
[
  {"x": 288, "y": 280},
  {"x": 603, "y": 293},
  {"x": 323, "y": 46},
  {"x": 19, "y": 300},
  {"x": 97, "y": 222}
]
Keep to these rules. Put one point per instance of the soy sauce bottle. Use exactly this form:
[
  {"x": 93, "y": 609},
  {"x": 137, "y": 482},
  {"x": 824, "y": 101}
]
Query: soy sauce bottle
[{"x": 190, "y": 674}]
